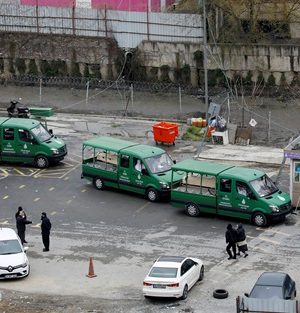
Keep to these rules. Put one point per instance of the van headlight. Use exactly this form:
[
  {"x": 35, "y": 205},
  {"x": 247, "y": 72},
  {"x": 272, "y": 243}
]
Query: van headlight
[
  {"x": 54, "y": 151},
  {"x": 274, "y": 208},
  {"x": 164, "y": 185}
]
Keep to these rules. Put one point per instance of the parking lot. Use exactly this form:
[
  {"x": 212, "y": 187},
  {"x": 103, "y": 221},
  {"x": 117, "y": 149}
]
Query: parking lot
[{"x": 124, "y": 233}]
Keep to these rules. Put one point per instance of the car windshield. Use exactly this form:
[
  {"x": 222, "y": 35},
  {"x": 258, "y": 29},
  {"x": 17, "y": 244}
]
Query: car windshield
[
  {"x": 266, "y": 292},
  {"x": 163, "y": 272},
  {"x": 263, "y": 186},
  {"x": 41, "y": 133},
  {"x": 10, "y": 247},
  {"x": 159, "y": 163}
]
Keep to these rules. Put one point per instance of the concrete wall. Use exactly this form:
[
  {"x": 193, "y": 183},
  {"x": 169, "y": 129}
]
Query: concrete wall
[{"x": 233, "y": 59}]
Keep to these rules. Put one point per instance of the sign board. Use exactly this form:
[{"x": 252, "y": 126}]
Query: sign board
[
  {"x": 289, "y": 154},
  {"x": 214, "y": 109}
]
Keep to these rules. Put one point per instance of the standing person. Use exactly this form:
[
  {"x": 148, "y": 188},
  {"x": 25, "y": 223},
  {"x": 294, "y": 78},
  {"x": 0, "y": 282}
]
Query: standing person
[
  {"x": 20, "y": 209},
  {"x": 45, "y": 227},
  {"x": 21, "y": 225},
  {"x": 241, "y": 240},
  {"x": 230, "y": 237}
]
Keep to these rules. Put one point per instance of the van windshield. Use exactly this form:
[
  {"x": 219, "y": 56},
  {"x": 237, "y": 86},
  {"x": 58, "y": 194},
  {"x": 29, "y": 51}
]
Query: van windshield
[
  {"x": 263, "y": 186},
  {"x": 41, "y": 133},
  {"x": 159, "y": 163}
]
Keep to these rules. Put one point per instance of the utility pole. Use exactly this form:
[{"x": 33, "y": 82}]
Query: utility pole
[{"x": 205, "y": 57}]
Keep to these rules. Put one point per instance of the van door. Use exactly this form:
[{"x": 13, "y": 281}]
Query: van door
[
  {"x": 244, "y": 199},
  {"x": 125, "y": 172},
  {"x": 233, "y": 201},
  {"x": 139, "y": 176},
  {"x": 225, "y": 195},
  {"x": 26, "y": 146},
  {"x": 8, "y": 148}
]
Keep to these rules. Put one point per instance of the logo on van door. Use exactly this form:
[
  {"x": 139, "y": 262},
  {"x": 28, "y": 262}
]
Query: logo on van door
[
  {"x": 225, "y": 201},
  {"x": 25, "y": 149},
  {"x": 243, "y": 205}
]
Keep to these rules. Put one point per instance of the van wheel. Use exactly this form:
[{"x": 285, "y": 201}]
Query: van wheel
[
  {"x": 98, "y": 183},
  {"x": 41, "y": 161},
  {"x": 192, "y": 210},
  {"x": 259, "y": 219},
  {"x": 152, "y": 194}
]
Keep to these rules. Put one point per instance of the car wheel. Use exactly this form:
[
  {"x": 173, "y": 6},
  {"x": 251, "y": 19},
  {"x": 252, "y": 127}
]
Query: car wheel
[
  {"x": 220, "y": 294},
  {"x": 41, "y": 161},
  {"x": 192, "y": 210},
  {"x": 98, "y": 183},
  {"x": 201, "y": 275},
  {"x": 259, "y": 219},
  {"x": 152, "y": 194},
  {"x": 185, "y": 292}
]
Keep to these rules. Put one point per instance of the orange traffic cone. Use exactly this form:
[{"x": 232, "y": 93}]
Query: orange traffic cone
[{"x": 91, "y": 273}]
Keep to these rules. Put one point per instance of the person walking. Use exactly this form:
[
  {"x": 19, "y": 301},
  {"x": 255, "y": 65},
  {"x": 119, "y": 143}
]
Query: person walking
[
  {"x": 231, "y": 238},
  {"x": 241, "y": 240},
  {"x": 21, "y": 222},
  {"x": 45, "y": 227}
]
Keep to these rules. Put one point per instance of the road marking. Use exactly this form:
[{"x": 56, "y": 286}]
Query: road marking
[
  {"x": 18, "y": 171},
  {"x": 5, "y": 197},
  {"x": 142, "y": 207},
  {"x": 53, "y": 213},
  {"x": 69, "y": 201},
  {"x": 22, "y": 186},
  {"x": 36, "y": 225},
  {"x": 51, "y": 189},
  {"x": 4, "y": 223},
  {"x": 278, "y": 232},
  {"x": 83, "y": 190},
  {"x": 265, "y": 239},
  {"x": 36, "y": 199}
]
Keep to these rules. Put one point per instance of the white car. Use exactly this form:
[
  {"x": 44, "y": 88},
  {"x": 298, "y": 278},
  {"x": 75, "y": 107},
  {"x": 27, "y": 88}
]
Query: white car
[
  {"x": 172, "y": 276},
  {"x": 13, "y": 259}
]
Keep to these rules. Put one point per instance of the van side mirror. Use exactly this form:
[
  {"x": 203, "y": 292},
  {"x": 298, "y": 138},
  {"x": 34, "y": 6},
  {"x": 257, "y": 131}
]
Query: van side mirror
[
  {"x": 246, "y": 294},
  {"x": 51, "y": 132},
  {"x": 145, "y": 172},
  {"x": 174, "y": 161},
  {"x": 288, "y": 298}
]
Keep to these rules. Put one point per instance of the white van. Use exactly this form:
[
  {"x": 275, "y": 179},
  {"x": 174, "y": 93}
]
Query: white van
[{"x": 13, "y": 259}]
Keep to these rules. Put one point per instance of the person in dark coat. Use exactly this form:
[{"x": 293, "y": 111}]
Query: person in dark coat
[
  {"x": 20, "y": 209},
  {"x": 241, "y": 240},
  {"x": 21, "y": 222},
  {"x": 231, "y": 238},
  {"x": 45, "y": 227}
]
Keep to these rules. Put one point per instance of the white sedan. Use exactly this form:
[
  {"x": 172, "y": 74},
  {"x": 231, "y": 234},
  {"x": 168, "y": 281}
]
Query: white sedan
[
  {"x": 13, "y": 259},
  {"x": 172, "y": 276}
]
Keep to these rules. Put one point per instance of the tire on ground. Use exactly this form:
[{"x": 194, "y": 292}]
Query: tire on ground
[{"x": 220, "y": 294}]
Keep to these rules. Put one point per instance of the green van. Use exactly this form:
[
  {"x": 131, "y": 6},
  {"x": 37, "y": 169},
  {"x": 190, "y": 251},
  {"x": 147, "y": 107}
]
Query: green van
[
  {"x": 229, "y": 191},
  {"x": 28, "y": 141},
  {"x": 122, "y": 164}
]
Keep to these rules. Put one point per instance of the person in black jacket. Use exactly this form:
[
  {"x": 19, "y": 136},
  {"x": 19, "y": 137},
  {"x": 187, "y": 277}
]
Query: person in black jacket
[
  {"x": 21, "y": 221},
  {"x": 241, "y": 240},
  {"x": 231, "y": 238},
  {"x": 45, "y": 227},
  {"x": 20, "y": 209}
]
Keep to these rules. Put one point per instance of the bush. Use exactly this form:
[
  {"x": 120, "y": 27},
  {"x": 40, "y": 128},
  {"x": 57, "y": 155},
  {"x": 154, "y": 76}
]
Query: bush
[{"x": 164, "y": 77}]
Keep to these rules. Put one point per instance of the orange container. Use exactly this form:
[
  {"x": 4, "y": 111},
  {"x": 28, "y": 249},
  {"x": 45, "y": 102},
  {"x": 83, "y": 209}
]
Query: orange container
[{"x": 165, "y": 132}]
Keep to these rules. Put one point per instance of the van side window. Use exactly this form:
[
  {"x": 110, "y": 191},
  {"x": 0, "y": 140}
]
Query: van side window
[
  {"x": 8, "y": 134},
  {"x": 208, "y": 185},
  {"x": 124, "y": 161},
  {"x": 25, "y": 135},
  {"x": 138, "y": 165},
  {"x": 242, "y": 189},
  {"x": 225, "y": 185},
  {"x": 106, "y": 159}
]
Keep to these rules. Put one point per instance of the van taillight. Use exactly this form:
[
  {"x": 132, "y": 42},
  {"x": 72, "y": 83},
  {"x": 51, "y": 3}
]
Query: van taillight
[
  {"x": 173, "y": 285},
  {"x": 146, "y": 284}
]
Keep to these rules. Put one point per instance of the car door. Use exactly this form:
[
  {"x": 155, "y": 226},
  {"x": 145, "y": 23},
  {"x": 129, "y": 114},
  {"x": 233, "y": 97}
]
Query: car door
[{"x": 188, "y": 270}]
